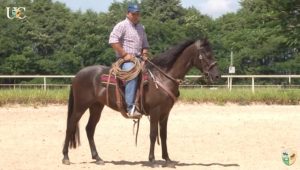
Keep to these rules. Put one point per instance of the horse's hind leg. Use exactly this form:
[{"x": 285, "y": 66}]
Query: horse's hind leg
[
  {"x": 95, "y": 114},
  {"x": 72, "y": 133}
]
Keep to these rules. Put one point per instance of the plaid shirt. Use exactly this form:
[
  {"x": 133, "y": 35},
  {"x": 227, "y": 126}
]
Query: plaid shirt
[{"x": 131, "y": 37}]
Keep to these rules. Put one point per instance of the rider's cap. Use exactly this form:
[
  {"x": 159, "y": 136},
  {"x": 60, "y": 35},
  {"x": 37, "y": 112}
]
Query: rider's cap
[{"x": 133, "y": 8}]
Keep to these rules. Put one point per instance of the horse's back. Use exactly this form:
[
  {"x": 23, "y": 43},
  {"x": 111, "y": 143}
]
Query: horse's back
[
  {"x": 90, "y": 72},
  {"x": 89, "y": 77}
]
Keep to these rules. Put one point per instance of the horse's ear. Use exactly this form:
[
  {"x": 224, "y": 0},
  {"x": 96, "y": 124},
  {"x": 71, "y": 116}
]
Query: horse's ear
[
  {"x": 198, "y": 44},
  {"x": 205, "y": 40},
  {"x": 201, "y": 43}
]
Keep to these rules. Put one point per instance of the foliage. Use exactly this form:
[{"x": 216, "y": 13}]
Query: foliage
[{"x": 264, "y": 35}]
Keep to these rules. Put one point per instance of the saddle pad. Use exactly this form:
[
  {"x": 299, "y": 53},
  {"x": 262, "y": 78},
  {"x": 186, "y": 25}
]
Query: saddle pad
[{"x": 105, "y": 77}]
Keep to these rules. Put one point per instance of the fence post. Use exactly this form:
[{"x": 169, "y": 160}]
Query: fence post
[
  {"x": 45, "y": 84},
  {"x": 228, "y": 82},
  {"x": 290, "y": 80},
  {"x": 253, "y": 85}
]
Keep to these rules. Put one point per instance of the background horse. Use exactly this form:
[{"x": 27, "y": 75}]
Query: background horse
[{"x": 87, "y": 92}]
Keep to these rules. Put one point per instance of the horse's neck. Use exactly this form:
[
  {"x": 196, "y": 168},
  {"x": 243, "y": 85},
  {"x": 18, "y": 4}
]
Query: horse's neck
[{"x": 183, "y": 63}]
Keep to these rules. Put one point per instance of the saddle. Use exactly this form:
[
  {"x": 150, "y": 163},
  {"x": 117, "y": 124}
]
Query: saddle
[
  {"x": 112, "y": 80},
  {"x": 119, "y": 87}
]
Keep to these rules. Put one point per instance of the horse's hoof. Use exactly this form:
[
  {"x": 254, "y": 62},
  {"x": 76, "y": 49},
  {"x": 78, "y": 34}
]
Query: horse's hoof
[
  {"x": 66, "y": 161},
  {"x": 100, "y": 162},
  {"x": 153, "y": 164},
  {"x": 169, "y": 164}
]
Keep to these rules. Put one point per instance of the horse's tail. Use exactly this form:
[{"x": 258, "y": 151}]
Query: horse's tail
[{"x": 75, "y": 136}]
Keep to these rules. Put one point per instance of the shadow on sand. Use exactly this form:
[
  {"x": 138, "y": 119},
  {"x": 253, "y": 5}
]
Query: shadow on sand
[{"x": 161, "y": 163}]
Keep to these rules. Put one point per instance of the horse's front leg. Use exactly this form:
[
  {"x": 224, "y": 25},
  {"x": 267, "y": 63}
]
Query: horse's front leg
[
  {"x": 153, "y": 136},
  {"x": 163, "y": 136}
]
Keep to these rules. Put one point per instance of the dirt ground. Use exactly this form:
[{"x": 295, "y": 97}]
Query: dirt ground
[{"x": 200, "y": 136}]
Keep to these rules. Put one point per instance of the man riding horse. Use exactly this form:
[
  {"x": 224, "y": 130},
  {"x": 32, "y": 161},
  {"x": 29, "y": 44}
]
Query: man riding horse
[{"x": 129, "y": 40}]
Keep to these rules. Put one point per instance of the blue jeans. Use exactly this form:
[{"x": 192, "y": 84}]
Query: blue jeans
[{"x": 130, "y": 87}]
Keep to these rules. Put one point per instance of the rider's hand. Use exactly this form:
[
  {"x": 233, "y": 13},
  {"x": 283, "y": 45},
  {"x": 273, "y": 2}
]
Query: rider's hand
[
  {"x": 128, "y": 57},
  {"x": 145, "y": 56}
]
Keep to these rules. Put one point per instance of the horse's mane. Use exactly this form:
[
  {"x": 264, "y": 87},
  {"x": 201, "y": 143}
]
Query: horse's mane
[{"x": 167, "y": 58}]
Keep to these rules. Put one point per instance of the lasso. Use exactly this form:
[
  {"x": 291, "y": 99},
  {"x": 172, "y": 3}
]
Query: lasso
[{"x": 126, "y": 75}]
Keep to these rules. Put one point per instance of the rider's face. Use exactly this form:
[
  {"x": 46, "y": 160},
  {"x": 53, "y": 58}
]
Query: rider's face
[{"x": 134, "y": 17}]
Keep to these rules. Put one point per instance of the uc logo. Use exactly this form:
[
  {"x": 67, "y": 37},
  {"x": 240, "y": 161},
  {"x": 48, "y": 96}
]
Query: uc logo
[{"x": 15, "y": 12}]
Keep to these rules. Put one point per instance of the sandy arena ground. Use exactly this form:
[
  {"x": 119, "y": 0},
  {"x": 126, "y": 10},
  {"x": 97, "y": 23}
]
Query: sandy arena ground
[{"x": 201, "y": 136}]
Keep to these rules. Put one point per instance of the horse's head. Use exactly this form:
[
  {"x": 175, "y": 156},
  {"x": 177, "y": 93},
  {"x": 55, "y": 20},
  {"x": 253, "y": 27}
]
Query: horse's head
[{"x": 205, "y": 60}]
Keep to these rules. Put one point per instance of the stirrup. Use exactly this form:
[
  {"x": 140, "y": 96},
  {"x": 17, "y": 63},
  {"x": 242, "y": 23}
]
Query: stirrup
[{"x": 134, "y": 114}]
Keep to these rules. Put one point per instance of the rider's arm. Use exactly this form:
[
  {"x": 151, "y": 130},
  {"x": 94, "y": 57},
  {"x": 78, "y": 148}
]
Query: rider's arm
[
  {"x": 119, "y": 49},
  {"x": 114, "y": 40}
]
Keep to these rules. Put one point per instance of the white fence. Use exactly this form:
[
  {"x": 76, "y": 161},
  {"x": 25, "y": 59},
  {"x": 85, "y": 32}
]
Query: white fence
[
  {"x": 253, "y": 77},
  {"x": 44, "y": 77},
  {"x": 228, "y": 77}
]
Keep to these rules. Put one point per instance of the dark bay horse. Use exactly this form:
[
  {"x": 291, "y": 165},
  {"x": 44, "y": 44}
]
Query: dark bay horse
[{"x": 88, "y": 93}]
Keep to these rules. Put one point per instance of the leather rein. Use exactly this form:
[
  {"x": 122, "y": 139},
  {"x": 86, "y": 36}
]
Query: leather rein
[
  {"x": 157, "y": 83},
  {"x": 177, "y": 81}
]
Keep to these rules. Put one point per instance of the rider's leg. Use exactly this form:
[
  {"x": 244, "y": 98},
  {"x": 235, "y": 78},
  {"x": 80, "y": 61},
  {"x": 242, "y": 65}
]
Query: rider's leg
[{"x": 130, "y": 88}]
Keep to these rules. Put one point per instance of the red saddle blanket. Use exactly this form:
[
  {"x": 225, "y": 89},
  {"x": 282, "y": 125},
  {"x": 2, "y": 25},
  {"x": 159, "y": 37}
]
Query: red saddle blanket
[{"x": 113, "y": 80}]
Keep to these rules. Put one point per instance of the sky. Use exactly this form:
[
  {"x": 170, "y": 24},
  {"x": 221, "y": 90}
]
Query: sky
[{"x": 213, "y": 8}]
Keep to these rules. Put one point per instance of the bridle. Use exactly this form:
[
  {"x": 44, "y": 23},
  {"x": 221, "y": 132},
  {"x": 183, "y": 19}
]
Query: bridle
[
  {"x": 211, "y": 66},
  {"x": 206, "y": 72},
  {"x": 201, "y": 58},
  {"x": 178, "y": 81}
]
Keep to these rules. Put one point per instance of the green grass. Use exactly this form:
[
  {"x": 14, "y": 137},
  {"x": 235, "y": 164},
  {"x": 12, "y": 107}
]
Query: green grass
[
  {"x": 204, "y": 95},
  {"x": 33, "y": 96},
  {"x": 241, "y": 96}
]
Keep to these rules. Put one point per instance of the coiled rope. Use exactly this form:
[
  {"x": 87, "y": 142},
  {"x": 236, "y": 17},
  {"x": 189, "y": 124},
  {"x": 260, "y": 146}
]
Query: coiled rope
[{"x": 126, "y": 75}]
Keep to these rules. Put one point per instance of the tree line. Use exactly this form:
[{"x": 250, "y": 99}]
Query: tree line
[{"x": 264, "y": 35}]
